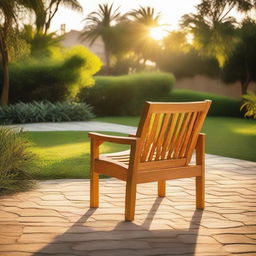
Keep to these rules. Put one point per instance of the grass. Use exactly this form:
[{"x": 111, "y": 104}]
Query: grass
[{"x": 66, "y": 154}]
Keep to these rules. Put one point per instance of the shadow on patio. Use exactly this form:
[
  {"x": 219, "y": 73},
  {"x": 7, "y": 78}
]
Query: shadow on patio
[{"x": 126, "y": 238}]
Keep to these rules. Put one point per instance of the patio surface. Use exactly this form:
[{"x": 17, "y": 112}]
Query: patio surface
[{"x": 54, "y": 219}]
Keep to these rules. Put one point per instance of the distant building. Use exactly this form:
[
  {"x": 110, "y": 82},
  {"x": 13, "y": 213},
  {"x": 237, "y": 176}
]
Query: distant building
[{"x": 73, "y": 38}]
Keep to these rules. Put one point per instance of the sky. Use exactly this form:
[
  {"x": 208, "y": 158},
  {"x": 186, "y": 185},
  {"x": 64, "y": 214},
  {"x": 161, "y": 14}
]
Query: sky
[{"x": 171, "y": 10}]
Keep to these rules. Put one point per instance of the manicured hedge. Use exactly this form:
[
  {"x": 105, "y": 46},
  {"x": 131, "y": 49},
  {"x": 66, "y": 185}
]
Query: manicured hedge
[
  {"x": 125, "y": 95},
  {"x": 57, "y": 78},
  {"x": 44, "y": 112},
  {"x": 221, "y": 105}
]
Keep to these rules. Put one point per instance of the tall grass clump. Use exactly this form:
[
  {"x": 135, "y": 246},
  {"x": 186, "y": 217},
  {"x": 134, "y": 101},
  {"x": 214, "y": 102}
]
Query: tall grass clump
[{"x": 15, "y": 162}]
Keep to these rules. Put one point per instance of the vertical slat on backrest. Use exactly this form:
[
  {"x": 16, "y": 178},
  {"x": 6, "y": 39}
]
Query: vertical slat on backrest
[
  {"x": 170, "y": 130},
  {"x": 188, "y": 134},
  {"x": 176, "y": 135},
  {"x": 150, "y": 138},
  {"x": 157, "y": 138},
  {"x": 196, "y": 130},
  {"x": 162, "y": 135},
  {"x": 169, "y": 135},
  {"x": 181, "y": 135}
]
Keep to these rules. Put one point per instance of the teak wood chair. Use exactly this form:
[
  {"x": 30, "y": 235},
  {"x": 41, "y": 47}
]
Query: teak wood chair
[{"x": 161, "y": 150}]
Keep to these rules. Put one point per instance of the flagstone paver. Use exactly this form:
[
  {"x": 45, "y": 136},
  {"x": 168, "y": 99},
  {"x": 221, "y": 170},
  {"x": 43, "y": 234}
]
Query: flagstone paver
[{"x": 54, "y": 219}]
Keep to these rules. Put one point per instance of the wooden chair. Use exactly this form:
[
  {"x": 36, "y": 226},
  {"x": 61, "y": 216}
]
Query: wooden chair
[{"x": 161, "y": 150}]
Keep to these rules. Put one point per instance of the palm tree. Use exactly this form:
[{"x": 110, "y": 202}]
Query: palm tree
[
  {"x": 213, "y": 29},
  {"x": 145, "y": 16},
  {"x": 9, "y": 10},
  {"x": 51, "y": 7},
  {"x": 144, "y": 19},
  {"x": 99, "y": 24}
]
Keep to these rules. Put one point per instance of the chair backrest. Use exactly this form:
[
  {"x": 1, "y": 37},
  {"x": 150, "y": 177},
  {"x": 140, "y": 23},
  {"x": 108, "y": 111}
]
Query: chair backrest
[{"x": 169, "y": 132}]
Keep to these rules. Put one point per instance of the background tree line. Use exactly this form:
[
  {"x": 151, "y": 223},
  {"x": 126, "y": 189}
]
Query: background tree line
[{"x": 219, "y": 45}]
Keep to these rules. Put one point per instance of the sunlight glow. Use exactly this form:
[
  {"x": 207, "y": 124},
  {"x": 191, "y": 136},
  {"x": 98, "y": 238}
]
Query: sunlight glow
[{"x": 158, "y": 33}]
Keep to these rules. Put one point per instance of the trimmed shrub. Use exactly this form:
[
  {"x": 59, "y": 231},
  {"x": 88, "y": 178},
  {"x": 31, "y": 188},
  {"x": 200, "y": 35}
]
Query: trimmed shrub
[
  {"x": 15, "y": 162},
  {"x": 125, "y": 95},
  {"x": 44, "y": 112},
  {"x": 221, "y": 105},
  {"x": 56, "y": 78}
]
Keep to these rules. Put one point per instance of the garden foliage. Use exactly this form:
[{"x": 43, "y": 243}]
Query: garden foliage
[
  {"x": 125, "y": 95},
  {"x": 44, "y": 112},
  {"x": 15, "y": 162},
  {"x": 55, "y": 78}
]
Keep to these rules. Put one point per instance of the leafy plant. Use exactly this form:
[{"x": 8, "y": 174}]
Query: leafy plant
[
  {"x": 15, "y": 162},
  {"x": 58, "y": 77},
  {"x": 249, "y": 105},
  {"x": 44, "y": 112}
]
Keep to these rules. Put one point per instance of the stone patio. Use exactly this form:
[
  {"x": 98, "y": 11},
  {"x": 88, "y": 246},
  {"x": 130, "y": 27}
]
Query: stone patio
[{"x": 54, "y": 219}]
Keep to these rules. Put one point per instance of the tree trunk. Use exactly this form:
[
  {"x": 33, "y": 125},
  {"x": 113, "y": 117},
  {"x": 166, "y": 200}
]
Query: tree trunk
[
  {"x": 244, "y": 87},
  {"x": 107, "y": 56},
  {"x": 4, "y": 63},
  {"x": 245, "y": 83}
]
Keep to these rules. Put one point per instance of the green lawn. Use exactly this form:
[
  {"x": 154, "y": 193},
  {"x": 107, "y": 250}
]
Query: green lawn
[{"x": 66, "y": 154}]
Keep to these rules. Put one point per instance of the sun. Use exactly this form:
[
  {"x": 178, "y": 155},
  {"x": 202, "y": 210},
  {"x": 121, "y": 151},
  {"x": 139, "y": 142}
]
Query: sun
[{"x": 158, "y": 33}]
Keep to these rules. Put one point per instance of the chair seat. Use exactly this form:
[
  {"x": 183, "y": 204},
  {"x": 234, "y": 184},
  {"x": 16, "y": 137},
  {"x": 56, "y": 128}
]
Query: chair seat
[
  {"x": 122, "y": 157},
  {"x": 113, "y": 164}
]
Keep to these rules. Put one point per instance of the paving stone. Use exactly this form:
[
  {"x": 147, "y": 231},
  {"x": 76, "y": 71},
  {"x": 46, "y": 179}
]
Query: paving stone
[
  {"x": 231, "y": 239},
  {"x": 239, "y": 248},
  {"x": 111, "y": 245}
]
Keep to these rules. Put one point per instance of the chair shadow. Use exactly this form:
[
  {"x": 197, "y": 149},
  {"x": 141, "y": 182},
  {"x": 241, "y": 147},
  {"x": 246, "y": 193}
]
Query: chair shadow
[{"x": 126, "y": 236}]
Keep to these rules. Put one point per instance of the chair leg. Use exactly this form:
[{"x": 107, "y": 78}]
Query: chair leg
[
  {"x": 200, "y": 180},
  {"x": 94, "y": 190},
  {"x": 130, "y": 199},
  {"x": 200, "y": 192},
  {"x": 161, "y": 188}
]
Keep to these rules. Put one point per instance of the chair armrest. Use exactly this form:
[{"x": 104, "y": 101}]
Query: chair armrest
[{"x": 113, "y": 139}]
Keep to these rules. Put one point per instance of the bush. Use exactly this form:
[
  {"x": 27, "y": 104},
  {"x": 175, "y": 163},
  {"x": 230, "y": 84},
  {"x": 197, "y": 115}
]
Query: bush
[
  {"x": 57, "y": 78},
  {"x": 44, "y": 112},
  {"x": 221, "y": 105},
  {"x": 125, "y": 95},
  {"x": 15, "y": 162},
  {"x": 249, "y": 105}
]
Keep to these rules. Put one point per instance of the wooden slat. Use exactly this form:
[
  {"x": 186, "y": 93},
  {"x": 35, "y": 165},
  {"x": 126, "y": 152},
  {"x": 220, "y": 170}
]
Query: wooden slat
[
  {"x": 162, "y": 164},
  {"x": 144, "y": 121},
  {"x": 169, "y": 174},
  {"x": 197, "y": 129},
  {"x": 178, "y": 107},
  {"x": 169, "y": 135},
  {"x": 162, "y": 136},
  {"x": 111, "y": 169},
  {"x": 153, "y": 148},
  {"x": 150, "y": 138},
  {"x": 188, "y": 134},
  {"x": 176, "y": 134},
  {"x": 181, "y": 135}
]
